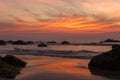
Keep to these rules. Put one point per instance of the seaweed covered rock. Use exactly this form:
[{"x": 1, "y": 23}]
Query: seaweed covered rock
[
  {"x": 14, "y": 61},
  {"x": 107, "y": 61},
  {"x": 8, "y": 71}
]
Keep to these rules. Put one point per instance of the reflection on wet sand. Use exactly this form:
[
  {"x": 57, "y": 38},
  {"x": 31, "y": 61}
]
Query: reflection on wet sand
[{"x": 53, "y": 68}]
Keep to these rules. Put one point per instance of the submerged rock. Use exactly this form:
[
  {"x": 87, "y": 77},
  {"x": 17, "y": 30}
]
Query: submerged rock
[
  {"x": 14, "y": 61},
  {"x": 107, "y": 61}
]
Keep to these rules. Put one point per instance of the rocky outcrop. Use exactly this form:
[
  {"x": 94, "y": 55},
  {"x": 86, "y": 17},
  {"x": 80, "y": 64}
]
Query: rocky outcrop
[
  {"x": 10, "y": 66},
  {"x": 21, "y": 42},
  {"x": 7, "y": 70},
  {"x": 14, "y": 61},
  {"x": 107, "y": 61},
  {"x": 111, "y": 40}
]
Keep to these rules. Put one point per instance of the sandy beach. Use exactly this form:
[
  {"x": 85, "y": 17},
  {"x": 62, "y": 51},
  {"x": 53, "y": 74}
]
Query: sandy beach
[{"x": 54, "y": 68}]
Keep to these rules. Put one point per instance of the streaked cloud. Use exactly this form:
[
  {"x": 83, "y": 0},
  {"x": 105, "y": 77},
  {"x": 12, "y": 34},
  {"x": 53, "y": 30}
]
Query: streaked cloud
[{"x": 66, "y": 16}]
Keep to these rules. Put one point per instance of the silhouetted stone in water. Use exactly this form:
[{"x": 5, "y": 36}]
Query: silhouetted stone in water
[
  {"x": 10, "y": 41},
  {"x": 14, "y": 61},
  {"x": 52, "y": 42},
  {"x": 19, "y": 42},
  {"x": 65, "y": 43},
  {"x": 30, "y": 42},
  {"x": 110, "y": 40},
  {"x": 107, "y": 61},
  {"x": 42, "y": 45},
  {"x": 2, "y": 42}
]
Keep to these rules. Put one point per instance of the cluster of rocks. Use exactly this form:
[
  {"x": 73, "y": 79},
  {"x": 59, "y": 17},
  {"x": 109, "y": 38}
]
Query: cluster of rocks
[
  {"x": 10, "y": 66},
  {"x": 20, "y": 42},
  {"x": 41, "y": 44},
  {"x": 111, "y": 40}
]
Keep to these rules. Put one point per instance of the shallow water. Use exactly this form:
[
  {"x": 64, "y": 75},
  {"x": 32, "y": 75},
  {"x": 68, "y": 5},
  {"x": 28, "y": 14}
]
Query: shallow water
[
  {"x": 71, "y": 51},
  {"x": 53, "y": 68}
]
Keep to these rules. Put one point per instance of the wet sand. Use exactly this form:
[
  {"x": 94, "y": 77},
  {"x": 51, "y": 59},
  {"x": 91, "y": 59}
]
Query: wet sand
[{"x": 54, "y": 68}]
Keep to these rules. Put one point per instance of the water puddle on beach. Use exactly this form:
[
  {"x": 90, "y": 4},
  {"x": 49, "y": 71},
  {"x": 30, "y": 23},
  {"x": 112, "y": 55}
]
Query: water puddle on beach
[{"x": 53, "y": 68}]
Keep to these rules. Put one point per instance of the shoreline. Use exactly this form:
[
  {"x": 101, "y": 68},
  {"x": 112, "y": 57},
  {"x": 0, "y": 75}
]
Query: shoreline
[{"x": 55, "y": 68}]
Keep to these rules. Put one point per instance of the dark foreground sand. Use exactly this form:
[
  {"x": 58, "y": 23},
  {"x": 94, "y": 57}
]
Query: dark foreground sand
[{"x": 53, "y": 68}]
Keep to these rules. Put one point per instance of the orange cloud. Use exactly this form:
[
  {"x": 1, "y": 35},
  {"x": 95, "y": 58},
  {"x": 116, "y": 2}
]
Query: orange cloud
[{"x": 79, "y": 25}]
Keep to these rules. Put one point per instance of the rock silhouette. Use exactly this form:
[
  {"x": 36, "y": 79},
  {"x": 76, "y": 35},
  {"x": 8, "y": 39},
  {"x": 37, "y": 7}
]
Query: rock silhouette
[
  {"x": 65, "y": 43},
  {"x": 2, "y": 42},
  {"x": 42, "y": 45},
  {"x": 108, "y": 61},
  {"x": 12, "y": 60},
  {"x": 10, "y": 66}
]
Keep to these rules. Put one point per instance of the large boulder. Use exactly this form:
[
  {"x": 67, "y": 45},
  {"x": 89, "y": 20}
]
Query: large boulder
[
  {"x": 7, "y": 70},
  {"x": 14, "y": 61},
  {"x": 107, "y": 61},
  {"x": 10, "y": 66}
]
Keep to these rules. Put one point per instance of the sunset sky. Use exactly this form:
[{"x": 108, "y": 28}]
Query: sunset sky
[{"x": 74, "y": 20}]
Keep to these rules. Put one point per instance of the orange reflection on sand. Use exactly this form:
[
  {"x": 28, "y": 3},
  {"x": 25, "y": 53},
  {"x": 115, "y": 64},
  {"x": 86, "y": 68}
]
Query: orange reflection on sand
[{"x": 69, "y": 66}]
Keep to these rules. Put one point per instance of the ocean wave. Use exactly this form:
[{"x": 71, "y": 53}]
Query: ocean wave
[{"x": 85, "y": 54}]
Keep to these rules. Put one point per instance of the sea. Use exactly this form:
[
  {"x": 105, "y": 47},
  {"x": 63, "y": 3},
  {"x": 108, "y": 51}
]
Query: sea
[
  {"x": 73, "y": 51},
  {"x": 57, "y": 62}
]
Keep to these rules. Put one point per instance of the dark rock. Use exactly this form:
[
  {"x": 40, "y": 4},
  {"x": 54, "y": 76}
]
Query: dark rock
[
  {"x": 10, "y": 41},
  {"x": 42, "y": 45},
  {"x": 7, "y": 70},
  {"x": 52, "y": 42},
  {"x": 30, "y": 42},
  {"x": 19, "y": 42},
  {"x": 107, "y": 61},
  {"x": 2, "y": 42},
  {"x": 14, "y": 61},
  {"x": 111, "y": 40},
  {"x": 115, "y": 46},
  {"x": 65, "y": 43}
]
